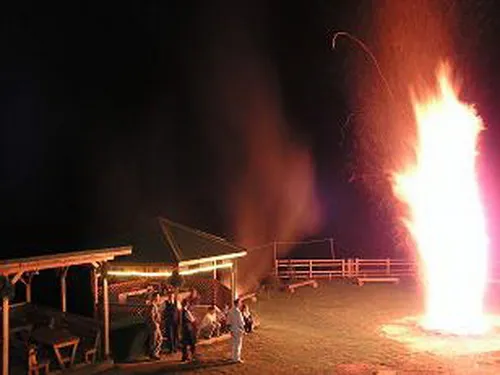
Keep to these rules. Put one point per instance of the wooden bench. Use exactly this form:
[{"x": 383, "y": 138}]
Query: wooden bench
[
  {"x": 90, "y": 336},
  {"x": 291, "y": 287},
  {"x": 90, "y": 345},
  {"x": 363, "y": 280}
]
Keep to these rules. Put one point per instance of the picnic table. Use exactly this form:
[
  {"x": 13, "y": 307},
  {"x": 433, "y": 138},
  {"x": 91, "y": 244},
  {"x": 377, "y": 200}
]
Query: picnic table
[
  {"x": 59, "y": 339},
  {"x": 20, "y": 328}
]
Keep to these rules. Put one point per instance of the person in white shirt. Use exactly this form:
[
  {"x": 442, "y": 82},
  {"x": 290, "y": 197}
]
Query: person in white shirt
[
  {"x": 237, "y": 327},
  {"x": 209, "y": 326},
  {"x": 155, "y": 323}
]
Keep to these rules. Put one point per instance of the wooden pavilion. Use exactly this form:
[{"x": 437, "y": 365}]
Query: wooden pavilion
[
  {"x": 167, "y": 246},
  {"x": 24, "y": 269}
]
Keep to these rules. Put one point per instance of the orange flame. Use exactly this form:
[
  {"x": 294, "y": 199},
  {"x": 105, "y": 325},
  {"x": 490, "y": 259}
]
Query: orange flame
[{"x": 446, "y": 217}]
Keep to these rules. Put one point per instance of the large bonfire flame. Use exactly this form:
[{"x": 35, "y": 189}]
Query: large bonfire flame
[{"x": 446, "y": 217}]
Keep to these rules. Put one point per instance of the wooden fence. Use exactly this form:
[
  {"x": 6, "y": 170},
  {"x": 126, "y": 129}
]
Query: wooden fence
[{"x": 343, "y": 268}]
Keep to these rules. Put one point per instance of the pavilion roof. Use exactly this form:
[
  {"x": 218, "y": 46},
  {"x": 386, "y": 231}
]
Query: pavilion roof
[
  {"x": 43, "y": 262},
  {"x": 166, "y": 244}
]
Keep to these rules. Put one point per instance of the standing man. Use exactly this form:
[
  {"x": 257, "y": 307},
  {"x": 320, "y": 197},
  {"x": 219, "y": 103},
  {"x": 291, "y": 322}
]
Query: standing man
[
  {"x": 188, "y": 328},
  {"x": 155, "y": 322},
  {"x": 172, "y": 317},
  {"x": 237, "y": 327}
]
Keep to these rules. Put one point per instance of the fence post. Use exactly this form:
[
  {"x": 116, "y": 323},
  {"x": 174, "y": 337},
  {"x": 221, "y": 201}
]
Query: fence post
[
  {"x": 356, "y": 267},
  {"x": 310, "y": 268},
  {"x": 343, "y": 267},
  {"x": 275, "y": 256},
  {"x": 332, "y": 248},
  {"x": 388, "y": 266}
]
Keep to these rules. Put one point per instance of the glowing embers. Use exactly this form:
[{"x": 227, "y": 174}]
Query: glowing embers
[
  {"x": 445, "y": 216},
  {"x": 410, "y": 332}
]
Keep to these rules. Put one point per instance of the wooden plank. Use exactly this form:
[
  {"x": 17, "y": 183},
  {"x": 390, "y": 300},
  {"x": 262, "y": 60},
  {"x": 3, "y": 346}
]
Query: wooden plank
[
  {"x": 362, "y": 280},
  {"x": 291, "y": 288}
]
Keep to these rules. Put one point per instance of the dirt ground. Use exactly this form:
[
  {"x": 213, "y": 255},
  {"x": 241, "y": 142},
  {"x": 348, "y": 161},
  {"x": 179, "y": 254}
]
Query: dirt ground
[{"x": 334, "y": 329}]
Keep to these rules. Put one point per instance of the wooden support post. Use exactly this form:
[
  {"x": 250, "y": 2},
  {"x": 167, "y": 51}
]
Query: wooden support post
[
  {"x": 64, "y": 273},
  {"x": 215, "y": 270},
  {"x": 27, "y": 283},
  {"x": 5, "y": 335},
  {"x": 27, "y": 287},
  {"x": 28, "y": 292},
  {"x": 94, "y": 280},
  {"x": 105, "y": 303},
  {"x": 234, "y": 293},
  {"x": 310, "y": 268},
  {"x": 215, "y": 288}
]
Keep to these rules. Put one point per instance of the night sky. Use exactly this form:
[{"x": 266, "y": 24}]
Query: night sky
[{"x": 116, "y": 113}]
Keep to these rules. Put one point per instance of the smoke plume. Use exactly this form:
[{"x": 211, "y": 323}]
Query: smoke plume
[{"x": 267, "y": 176}]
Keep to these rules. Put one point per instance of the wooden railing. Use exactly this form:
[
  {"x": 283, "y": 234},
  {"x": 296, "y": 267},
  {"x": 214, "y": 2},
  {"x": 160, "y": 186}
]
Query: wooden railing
[{"x": 343, "y": 268}]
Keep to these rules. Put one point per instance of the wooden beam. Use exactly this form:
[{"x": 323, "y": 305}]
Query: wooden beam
[
  {"x": 16, "y": 278},
  {"x": 5, "y": 335},
  {"x": 192, "y": 262},
  {"x": 12, "y": 266}
]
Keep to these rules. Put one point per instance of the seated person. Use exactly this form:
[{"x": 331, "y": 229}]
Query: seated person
[
  {"x": 247, "y": 318},
  {"x": 223, "y": 319},
  {"x": 210, "y": 326},
  {"x": 193, "y": 297}
]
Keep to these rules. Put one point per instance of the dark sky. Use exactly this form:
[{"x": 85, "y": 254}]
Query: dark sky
[{"x": 105, "y": 113}]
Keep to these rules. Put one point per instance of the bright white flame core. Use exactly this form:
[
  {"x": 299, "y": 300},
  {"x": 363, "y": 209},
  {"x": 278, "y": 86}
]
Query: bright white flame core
[{"x": 446, "y": 216}]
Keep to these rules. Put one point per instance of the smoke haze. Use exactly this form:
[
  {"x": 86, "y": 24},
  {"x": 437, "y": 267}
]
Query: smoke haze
[{"x": 267, "y": 175}]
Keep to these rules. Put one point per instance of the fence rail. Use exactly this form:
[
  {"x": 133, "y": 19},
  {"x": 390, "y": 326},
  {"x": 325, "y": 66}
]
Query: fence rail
[{"x": 343, "y": 268}]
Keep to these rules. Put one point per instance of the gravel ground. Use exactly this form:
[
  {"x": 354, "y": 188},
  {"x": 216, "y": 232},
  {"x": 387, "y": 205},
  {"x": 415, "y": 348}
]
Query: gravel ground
[{"x": 334, "y": 329}]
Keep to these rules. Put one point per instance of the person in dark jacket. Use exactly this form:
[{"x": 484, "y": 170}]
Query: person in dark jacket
[
  {"x": 172, "y": 317},
  {"x": 247, "y": 318},
  {"x": 188, "y": 328}
]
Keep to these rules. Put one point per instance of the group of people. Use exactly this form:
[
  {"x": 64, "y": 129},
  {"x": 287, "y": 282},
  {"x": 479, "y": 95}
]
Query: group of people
[{"x": 182, "y": 328}]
